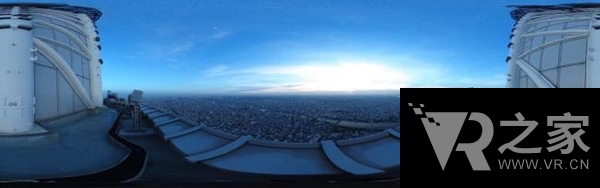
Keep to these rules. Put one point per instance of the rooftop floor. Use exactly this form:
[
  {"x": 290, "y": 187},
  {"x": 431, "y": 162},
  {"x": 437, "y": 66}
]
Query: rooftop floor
[{"x": 83, "y": 147}]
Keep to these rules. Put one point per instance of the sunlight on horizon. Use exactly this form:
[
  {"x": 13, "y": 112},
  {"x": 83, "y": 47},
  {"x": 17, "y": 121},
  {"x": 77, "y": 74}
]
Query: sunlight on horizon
[{"x": 340, "y": 77}]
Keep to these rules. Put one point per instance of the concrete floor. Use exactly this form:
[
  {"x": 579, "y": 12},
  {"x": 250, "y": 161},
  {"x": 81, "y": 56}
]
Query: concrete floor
[{"x": 83, "y": 147}]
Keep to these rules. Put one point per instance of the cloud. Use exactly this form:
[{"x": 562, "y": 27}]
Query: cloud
[
  {"x": 175, "y": 44},
  {"x": 216, "y": 70},
  {"x": 493, "y": 81},
  {"x": 221, "y": 35},
  {"x": 347, "y": 76},
  {"x": 341, "y": 77}
]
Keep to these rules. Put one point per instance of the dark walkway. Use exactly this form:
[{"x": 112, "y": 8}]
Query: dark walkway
[{"x": 83, "y": 148}]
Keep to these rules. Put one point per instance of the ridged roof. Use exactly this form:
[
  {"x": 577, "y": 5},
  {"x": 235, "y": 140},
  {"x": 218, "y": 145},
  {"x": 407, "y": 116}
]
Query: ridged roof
[
  {"x": 521, "y": 10},
  {"x": 93, "y": 13}
]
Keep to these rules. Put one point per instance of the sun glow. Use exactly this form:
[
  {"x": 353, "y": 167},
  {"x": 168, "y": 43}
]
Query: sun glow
[{"x": 343, "y": 77}]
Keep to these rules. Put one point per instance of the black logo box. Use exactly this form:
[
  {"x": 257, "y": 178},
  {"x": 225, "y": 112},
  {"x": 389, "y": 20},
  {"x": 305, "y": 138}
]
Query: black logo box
[{"x": 419, "y": 160}]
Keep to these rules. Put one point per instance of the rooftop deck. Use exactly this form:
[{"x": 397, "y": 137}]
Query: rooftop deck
[{"x": 83, "y": 147}]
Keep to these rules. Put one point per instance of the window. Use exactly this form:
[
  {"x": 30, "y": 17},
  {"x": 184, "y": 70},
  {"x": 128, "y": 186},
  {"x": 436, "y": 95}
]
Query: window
[
  {"x": 526, "y": 45},
  {"x": 572, "y": 76},
  {"x": 61, "y": 37},
  {"x": 41, "y": 31},
  {"x": 550, "y": 38},
  {"x": 556, "y": 26},
  {"x": 551, "y": 75},
  {"x": 550, "y": 59},
  {"x": 573, "y": 52},
  {"x": 535, "y": 59},
  {"x": 530, "y": 84},
  {"x": 523, "y": 82},
  {"x": 578, "y": 25},
  {"x": 537, "y": 41}
]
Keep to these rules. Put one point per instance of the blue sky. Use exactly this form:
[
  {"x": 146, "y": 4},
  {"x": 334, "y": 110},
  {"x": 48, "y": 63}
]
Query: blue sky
[{"x": 260, "y": 46}]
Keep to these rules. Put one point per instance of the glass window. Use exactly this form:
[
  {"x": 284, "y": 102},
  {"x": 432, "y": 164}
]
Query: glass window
[
  {"x": 65, "y": 54},
  {"x": 41, "y": 18},
  {"x": 578, "y": 25},
  {"x": 40, "y": 31},
  {"x": 551, "y": 75},
  {"x": 537, "y": 27},
  {"x": 83, "y": 39},
  {"x": 65, "y": 96},
  {"x": 526, "y": 45},
  {"x": 573, "y": 52},
  {"x": 550, "y": 59},
  {"x": 523, "y": 82},
  {"x": 41, "y": 59},
  {"x": 85, "y": 65},
  {"x": 531, "y": 27},
  {"x": 568, "y": 35},
  {"x": 74, "y": 45},
  {"x": 572, "y": 76},
  {"x": 556, "y": 26},
  {"x": 530, "y": 84},
  {"x": 76, "y": 65},
  {"x": 59, "y": 22},
  {"x": 45, "y": 92},
  {"x": 537, "y": 41},
  {"x": 61, "y": 37},
  {"x": 522, "y": 73},
  {"x": 535, "y": 59},
  {"x": 550, "y": 38}
]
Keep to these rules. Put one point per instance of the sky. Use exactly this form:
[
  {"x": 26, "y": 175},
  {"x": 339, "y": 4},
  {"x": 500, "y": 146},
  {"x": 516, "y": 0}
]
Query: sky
[{"x": 302, "y": 46}]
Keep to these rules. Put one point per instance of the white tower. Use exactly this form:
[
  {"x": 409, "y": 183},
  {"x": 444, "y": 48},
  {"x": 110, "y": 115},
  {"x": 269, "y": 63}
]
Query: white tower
[
  {"x": 50, "y": 63},
  {"x": 555, "y": 46}
]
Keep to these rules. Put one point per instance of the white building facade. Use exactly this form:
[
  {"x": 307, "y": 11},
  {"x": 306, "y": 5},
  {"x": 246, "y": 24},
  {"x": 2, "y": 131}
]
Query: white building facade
[
  {"x": 50, "y": 63},
  {"x": 555, "y": 47}
]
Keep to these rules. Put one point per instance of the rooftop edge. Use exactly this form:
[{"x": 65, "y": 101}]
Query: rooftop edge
[
  {"x": 93, "y": 13},
  {"x": 522, "y": 10}
]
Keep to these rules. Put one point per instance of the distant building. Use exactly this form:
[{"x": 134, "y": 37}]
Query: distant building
[
  {"x": 49, "y": 63},
  {"x": 555, "y": 46}
]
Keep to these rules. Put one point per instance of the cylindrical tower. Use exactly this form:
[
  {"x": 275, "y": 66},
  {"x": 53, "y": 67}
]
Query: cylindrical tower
[
  {"x": 554, "y": 46},
  {"x": 49, "y": 63},
  {"x": 16, "y": 72}
]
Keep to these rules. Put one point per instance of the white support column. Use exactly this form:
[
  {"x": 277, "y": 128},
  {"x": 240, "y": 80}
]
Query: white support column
[
  {"x": 16, "y": 74},
  {"x": 95, "y": 66}
]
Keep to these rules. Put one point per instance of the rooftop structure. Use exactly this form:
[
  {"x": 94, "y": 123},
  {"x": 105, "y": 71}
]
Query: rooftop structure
[
  {"x": 93, "y": 13},
  {"x": 553, "y": 46},
  {"x": 50, "y": 64}
]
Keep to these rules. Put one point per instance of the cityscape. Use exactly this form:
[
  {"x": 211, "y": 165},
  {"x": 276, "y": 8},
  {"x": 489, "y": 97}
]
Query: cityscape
[{"x": 289, "y": 119}]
